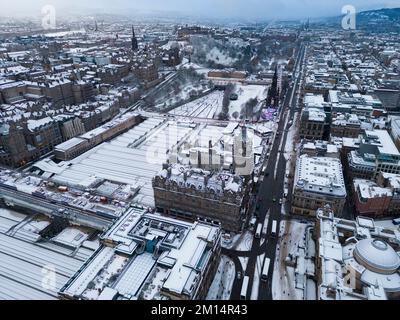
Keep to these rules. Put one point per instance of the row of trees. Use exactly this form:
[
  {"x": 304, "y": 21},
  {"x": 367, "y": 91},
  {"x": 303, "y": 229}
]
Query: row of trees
[
  {"x": 224, "y": 115},
  {"x": 248, "y": 111}
]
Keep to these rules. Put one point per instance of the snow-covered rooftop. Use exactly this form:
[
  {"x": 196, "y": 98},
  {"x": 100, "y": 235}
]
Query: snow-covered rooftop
[
  {"x": 181, "y": 249},
  {"x": 369, "y": 189},
  {"x": 320, "y": 175}
]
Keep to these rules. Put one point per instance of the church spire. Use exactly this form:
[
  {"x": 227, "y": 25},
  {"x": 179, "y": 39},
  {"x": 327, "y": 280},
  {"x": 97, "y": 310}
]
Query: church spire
[{"x": 135, "y": 45}]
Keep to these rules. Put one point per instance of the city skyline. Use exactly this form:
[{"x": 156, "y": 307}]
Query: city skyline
[{"x": 236, "y": 9}]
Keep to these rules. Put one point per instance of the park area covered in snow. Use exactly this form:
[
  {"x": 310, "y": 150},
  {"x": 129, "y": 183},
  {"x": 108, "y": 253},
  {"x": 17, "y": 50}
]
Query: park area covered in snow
[
  {"x": 245, "y": 93},
  {"x": 219, "y": 57}
]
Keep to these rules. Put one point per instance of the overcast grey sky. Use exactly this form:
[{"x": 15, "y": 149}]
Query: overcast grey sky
[{"x": 280, "y": 9}]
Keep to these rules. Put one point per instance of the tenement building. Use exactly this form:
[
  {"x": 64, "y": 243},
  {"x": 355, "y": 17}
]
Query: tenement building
[
  {"x": 346, "y": 125},
  {"x": 197, "y": 194},
  {"x": 370, "y": 199},
  {"x": 312, "y": 125}
]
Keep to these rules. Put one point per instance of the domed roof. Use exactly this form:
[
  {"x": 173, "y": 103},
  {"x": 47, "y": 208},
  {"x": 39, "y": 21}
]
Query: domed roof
[{"x": 376, "y": 255}]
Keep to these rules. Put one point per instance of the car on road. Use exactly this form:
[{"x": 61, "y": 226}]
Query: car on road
[
  {"x": 280, "y": 201},
  {"x": 239, "y": 275}
]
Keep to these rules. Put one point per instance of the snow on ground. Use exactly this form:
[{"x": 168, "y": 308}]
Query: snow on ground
[
  {"x": 219, "y": 57},
  {"x": 266, "y": 127},
  {"x": 199, "y": 69},
  {"x": 283, "y": 282},
  {"x": 174, "y": 44},
  {"x": 184, "y": 95},
  {"x": 239, "y": 242},
  {"x": 245, "y": 242},
  {"x": 221, "y": 288},
  {"x": 231, "y": 242},
  {"x": 245, "y": 93},
  {"x": 205, "y": 107},
  {"x": 257, "y": 277}
]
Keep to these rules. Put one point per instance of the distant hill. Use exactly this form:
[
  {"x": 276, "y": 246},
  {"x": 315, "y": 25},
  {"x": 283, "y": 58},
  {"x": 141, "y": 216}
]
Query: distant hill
[
  {"x": 382, "y": 15},
  {"x": 380, "y": 20}
]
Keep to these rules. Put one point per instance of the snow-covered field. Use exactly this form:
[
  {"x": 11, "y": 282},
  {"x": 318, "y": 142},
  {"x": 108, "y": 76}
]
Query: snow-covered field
[
  {"x": 245, "y": 93},
  {"x": 221, "y": 288}
]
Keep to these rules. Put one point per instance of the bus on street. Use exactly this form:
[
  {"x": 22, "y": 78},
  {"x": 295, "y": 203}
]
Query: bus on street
[
  {"x": 245, "y": 287},
  {"x": 264, "y": 276},
  {"x": 274, "y": 228},
  {"x": 257, "y": 235}
]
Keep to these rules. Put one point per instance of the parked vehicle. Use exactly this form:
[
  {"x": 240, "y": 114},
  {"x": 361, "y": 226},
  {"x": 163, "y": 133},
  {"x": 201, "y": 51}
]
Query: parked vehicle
[{"x": 245, "y": 287}]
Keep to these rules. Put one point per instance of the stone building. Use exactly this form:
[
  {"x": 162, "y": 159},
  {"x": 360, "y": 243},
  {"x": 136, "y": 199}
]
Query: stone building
[
  {"x": 14, "y": 150},
  {"x": 356, "y": 260},
  {"x": 197, "y": 194},
  {"x": 318, "y": 181},
  {"x": 312, "y": 124}
]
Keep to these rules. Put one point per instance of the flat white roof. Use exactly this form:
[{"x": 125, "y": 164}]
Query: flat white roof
[
  {"x": 323, "y": 172},
  {"x": 387, "y": 144},
  {"x": 69, "y": 144}
]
